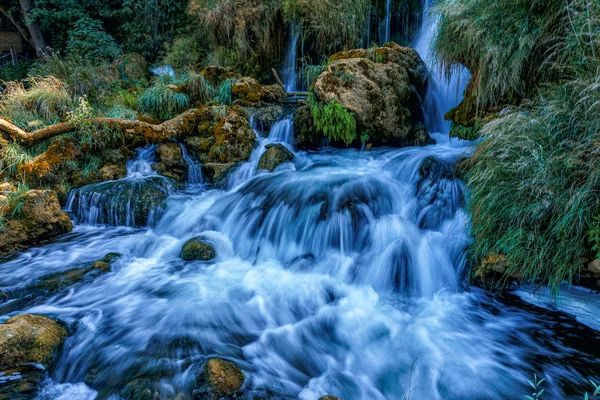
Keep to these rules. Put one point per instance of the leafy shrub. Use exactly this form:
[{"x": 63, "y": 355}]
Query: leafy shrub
[
  {"x": 185, "y": 53},
  {"x": 333, "y": 120},
  {"x": 88, "y": 40}
]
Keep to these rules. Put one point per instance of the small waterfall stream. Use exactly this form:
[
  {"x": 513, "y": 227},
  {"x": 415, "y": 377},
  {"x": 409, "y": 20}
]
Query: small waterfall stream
[
  {"x": 194, "y": 168},
  {"x": 339, "y": 273}
]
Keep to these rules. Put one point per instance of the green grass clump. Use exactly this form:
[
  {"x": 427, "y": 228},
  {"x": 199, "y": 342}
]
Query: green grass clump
[
  {"x": 11, "y": 156},
  {"x": 333, "y": 120},
  {"x": 508, "y": 45},
  {"x": 534, "y": 184},
  {"x": 162, "y": 101}
]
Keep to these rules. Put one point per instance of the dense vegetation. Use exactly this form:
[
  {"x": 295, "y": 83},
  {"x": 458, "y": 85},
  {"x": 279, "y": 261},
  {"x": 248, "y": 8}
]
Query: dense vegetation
[{"x": 534, "y": 179}]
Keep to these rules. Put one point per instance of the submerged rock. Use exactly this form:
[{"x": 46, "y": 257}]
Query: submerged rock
[
  {"x": 197, "y": 250},
  {"x": 219, "y": 379},
  {"x": 35, "y": 217},
  {"x": 29, "y": 339},
  {"x": 328, "y": 397},
  {"x": 275, "y": 155},
  {"x": 383, "y": 89},
  {"x": 491, "y": 274}
]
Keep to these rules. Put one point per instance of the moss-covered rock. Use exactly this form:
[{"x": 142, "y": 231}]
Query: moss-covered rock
[
  {"x": 305, "y": 133},
  {"x": 112, "y": 172},
  {"x": 171, "y": 163},
  {"x": 329, "y": 397},
  {"x": 491, "y": 274},
  {"x": 29, "y": 339},
  {"x": 383, "y": 89},
  {"x": 197, "y": 250},
  {"x": 266, "y": 117},
  {"x": 275, "y": 155},
  {"x": 217, "y": 75},
  {"x": 220, "y": 379},
  {"x": 247, "y": 91},
  {"x": 36, "y": 217},
  {"x": 221, "y": 138}
]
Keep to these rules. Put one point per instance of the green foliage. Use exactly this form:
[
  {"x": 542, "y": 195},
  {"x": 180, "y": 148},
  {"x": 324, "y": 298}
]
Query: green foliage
[
  {"x": 12, "y": 156},
  {"x": 44, "y": 100},
  {"x": 333, "y": 120},
  {"x": 88, "y": 40},
  {"x": 224, "y": 93},
  {"x": 11, "y": 72},
  {"x": 508, "y": 45},
  {"x": 16, "y": 200},
  {"x": 594, "y": 236},
  {"x": 162, "y": 101},
  {"x": 91, "y": 166},
  {"x": 329, "y": 26},
  {"x": 198, "y": 88},
  {"x": 310, "y": 73},
  {"x": 534, "y": 184},
  {"x": 185, "y": 53}
]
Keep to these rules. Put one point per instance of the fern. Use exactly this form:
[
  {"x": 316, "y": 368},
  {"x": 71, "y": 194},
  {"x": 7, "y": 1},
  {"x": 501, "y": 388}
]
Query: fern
[{"x": 333, "y": 120}]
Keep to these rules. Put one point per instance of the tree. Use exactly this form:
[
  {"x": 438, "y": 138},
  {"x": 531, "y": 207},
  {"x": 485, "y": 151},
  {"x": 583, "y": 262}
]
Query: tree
[{"x": 37, "y": 39}]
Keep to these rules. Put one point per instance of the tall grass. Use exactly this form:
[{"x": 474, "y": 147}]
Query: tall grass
[
  {"x": 534, "y": 179},
  {"x": 162, "y": 101},
  {"x": 44, "y": 99}
]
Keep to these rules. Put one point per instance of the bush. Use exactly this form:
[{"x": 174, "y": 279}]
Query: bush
[{"x": 89, "y": 41}]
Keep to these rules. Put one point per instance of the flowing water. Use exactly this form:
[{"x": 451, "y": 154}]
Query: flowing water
[
  {"x": 386, "y": 24},
  {"x": 339, "y": 273}
]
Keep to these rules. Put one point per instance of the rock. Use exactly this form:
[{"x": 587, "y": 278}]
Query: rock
[
  {"x": 7, "y": 187},
  {"x": 116, "y": 156},
  {"x": 492, "y": 273},
  {"x": 4, "y": 205},
  {"x": 275, "y": 155},
  {"x": 219, "y": 379},
  {"x": 29, "y": 339},
  {"x": 248, "y": 91},
  {"x": 305, "y": 133},
  {"x": 39, "y": 218},
  {"x": 216, "y": 75},
  {"x": 221, "y": 139},
  {"x": 171, "y": 163},
  {"x": 113, "y": 172},
  {"x": 197, "y": 250},
  {"x": 383, "y": 88},
  {"x": 110, "y": 257},
  {"x": 266, "y": 117},
  {"x": 101, "y": 266},
  {"x": 51, "y": 166},
  {"x": 328, "y": 397}
]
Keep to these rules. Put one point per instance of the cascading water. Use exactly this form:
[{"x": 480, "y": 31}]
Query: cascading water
[
  {"x": 194, "y": 168},
  {"x": 290, "y": 66},
  {"x": 387, "y": 22},
  {"x": 136, "y": 200},
  {"x": 339, "y": 274}
]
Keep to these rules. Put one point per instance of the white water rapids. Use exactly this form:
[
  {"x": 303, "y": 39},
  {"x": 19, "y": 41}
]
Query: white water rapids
[{"x": 339, "y": 273}]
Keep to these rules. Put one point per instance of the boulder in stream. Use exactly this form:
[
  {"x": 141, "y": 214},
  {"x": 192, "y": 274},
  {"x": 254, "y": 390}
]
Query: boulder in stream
[
  {"x": 29, "y": 338},
  {"x": 275, "y": 155},
  {"x": 197, "y": 250},
  {"x": 382, "y": 88},
  {"x": 35, "y": 216},
  {"x": 219, "y": 379}
]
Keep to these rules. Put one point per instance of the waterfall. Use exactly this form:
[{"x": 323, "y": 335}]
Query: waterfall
[
  {"x": 194, "y": 168},
  {"x": 290, "y": 66},
  {"x": 444, "y": 93},
  {"x": 385, "y": 37},
  {"x": 134, "y": 201}
]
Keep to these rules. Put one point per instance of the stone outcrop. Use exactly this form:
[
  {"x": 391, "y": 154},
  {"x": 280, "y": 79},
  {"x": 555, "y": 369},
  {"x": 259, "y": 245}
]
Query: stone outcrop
[
  {"x": 35, "y": 216},
  {"x": 382, "y": 88},
  {"x": 275, "y": 155}
]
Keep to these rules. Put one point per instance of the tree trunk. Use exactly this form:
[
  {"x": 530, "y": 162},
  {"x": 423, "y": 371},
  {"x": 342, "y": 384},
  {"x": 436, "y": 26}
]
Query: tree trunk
[
  {"x": 34, "y": 30},
  {"x": 20, "y": 28}
]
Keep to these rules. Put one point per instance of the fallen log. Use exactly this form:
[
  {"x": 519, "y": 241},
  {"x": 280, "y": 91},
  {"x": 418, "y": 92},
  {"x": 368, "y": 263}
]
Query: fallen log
[{"x": 130, "y": 128}]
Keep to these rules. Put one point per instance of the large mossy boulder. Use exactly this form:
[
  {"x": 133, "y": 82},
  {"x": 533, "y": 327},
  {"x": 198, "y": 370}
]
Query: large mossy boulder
[
  {"x": 220, "y": 379},
  {"x": 28, "y": 339},
  {"x": 197, "y": 250},
  {"x": 275, "y": 155},
  {"x": 35, "y": 216},
  {"x": 28, "y": 346},
  {"x": 382, "y": 88},
  {"x": 221, "y": 138}
]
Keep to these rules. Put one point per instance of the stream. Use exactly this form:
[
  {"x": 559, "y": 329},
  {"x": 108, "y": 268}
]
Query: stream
[{"x": 339, "y": 273}]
